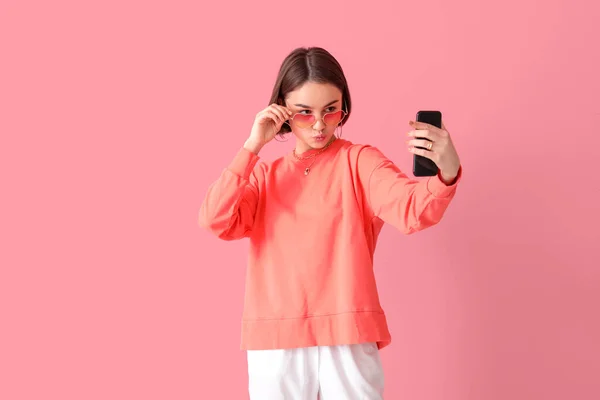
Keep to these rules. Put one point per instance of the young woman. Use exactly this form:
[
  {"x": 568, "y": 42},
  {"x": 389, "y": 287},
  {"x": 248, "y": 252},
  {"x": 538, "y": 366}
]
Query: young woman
[{"x": 312, "y": 322}]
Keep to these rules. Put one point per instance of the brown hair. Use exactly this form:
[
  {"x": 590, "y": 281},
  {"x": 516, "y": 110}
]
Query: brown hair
[{"x": 312, "y": 64}]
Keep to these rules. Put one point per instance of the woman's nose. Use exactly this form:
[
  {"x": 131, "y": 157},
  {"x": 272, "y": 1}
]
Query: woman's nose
[{"x": 319, "y": 125}]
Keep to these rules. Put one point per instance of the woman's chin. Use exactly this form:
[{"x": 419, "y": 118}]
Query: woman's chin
[{"x": 314, "y": 142}]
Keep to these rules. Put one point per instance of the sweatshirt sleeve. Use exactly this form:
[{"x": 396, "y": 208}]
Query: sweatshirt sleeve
[
  {"x": 230, "y": 203},
  {"x": 408, "y": 204}
]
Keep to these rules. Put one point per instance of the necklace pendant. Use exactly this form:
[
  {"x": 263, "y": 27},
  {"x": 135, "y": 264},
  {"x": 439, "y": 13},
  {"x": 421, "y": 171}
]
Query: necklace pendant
[{"x": 306, "y": 171}]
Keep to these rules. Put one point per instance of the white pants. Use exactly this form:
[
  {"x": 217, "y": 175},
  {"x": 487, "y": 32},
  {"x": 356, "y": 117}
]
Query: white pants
[{"x": 346, "y": 372}]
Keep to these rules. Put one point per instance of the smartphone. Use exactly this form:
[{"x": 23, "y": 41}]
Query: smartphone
[{"x": 423, "y": 166}]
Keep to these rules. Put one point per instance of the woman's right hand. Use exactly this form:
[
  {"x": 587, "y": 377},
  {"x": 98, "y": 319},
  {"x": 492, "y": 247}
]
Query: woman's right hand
[{"x": 266, "y": 125}]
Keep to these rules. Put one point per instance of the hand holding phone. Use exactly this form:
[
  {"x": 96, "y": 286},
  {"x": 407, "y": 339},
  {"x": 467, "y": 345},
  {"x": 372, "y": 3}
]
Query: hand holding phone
[{"x": 423, "y": 166}]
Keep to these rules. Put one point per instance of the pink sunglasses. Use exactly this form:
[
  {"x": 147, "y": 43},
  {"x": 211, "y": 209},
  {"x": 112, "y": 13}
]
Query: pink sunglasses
[{"x": 308, "y": 120}]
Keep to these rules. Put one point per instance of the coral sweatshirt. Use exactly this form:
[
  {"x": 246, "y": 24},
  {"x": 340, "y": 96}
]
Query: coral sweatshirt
[{"x": 310, "y": 278}]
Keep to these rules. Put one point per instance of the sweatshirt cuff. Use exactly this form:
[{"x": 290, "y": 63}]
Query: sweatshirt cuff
[
  {"x": 438, "y": 188},
  {"x": 243, "y": 163}
]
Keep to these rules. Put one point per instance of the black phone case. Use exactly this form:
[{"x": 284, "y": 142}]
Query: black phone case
[{"x": 423, "y": 166}]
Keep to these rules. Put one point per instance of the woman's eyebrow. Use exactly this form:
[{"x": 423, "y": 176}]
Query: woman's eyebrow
[{"x": 326, "y": 105}]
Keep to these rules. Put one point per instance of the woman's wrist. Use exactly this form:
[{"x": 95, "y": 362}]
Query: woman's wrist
[{"x": 252, "y": 147}]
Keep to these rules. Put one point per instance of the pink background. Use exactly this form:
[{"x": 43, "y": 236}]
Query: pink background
[{"x": 116, "y": 116}]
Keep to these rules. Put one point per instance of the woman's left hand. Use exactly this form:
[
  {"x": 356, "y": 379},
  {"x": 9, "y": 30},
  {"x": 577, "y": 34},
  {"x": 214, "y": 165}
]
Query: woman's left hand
[{"x": 440, "y": 150}]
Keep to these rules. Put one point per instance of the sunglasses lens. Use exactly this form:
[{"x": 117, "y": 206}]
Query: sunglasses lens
[
  {"x": 304, "y": 120},
  {"x": 333, "y": 118}
]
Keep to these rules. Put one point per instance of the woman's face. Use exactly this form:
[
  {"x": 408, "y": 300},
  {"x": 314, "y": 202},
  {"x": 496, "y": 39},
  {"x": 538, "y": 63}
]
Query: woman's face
[{"x": 316, "y": 99}]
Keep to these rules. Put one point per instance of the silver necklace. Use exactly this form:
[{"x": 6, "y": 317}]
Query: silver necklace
[{"x": 314, "y": 155}]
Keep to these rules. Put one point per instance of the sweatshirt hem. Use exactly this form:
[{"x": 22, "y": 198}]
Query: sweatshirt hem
[{"x": 319, "y": 330}]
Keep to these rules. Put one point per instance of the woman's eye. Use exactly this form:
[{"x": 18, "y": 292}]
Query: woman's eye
[{"x": 308, "y": 112}]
